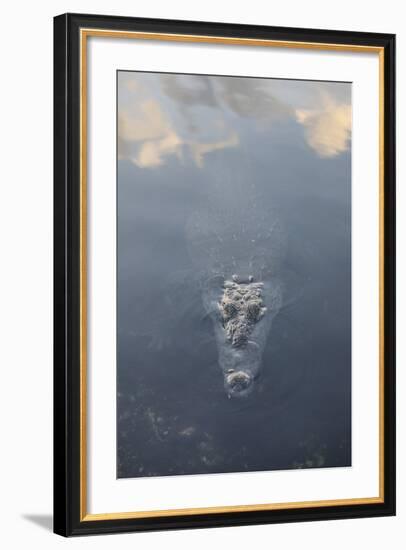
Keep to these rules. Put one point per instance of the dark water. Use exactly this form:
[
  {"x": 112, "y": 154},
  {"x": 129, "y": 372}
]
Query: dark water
[{"x": 173, "y": 415}]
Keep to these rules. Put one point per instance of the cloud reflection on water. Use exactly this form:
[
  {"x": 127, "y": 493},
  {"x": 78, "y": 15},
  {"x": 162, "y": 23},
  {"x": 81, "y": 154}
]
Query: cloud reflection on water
[
  {"x": 328, "y": 128},
  {"x": 162, "y": 116}
]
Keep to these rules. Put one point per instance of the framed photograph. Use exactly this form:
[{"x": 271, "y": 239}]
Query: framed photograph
[{"x": 224, "y": 274}]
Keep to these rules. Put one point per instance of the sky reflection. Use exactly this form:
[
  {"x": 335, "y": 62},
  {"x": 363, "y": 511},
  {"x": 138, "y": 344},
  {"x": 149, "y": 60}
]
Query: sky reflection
[{"x": 164, "y": 115}]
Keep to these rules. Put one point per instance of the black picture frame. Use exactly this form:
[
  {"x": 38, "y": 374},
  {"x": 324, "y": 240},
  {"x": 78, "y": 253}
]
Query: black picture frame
[{"x": 68, "y": 519}]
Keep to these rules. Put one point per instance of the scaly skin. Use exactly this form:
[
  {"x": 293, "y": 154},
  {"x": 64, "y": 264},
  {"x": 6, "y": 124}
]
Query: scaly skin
[{"x": 241, "y": 307}]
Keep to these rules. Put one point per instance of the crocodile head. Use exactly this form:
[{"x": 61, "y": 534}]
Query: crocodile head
[{"x": 241, "y": 308}]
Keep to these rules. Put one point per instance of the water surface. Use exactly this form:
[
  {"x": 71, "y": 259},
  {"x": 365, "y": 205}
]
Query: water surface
[{"x": 188, "y": 144}]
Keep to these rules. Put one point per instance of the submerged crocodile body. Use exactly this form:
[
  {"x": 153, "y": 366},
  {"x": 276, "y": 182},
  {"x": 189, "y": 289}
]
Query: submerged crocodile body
[{"x": 237, "y": 247}]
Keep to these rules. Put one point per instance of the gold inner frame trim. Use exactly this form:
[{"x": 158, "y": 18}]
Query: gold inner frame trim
[{"x": 173, "y": 37}]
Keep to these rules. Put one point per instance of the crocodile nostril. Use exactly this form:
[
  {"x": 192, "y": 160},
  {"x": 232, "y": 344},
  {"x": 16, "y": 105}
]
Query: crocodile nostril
[{"x": 238, "y": 383}]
